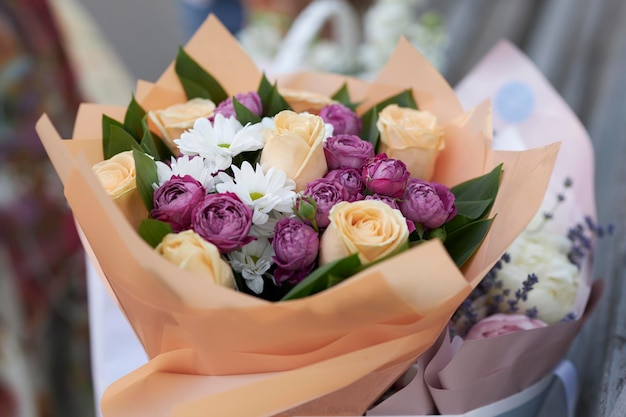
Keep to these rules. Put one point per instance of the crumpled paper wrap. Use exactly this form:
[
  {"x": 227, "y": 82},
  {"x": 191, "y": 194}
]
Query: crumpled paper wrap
[{"x": 214, "y": 351}]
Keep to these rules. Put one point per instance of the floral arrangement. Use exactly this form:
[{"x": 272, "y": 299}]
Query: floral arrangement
[
  {"x": 369, "y": 219},
  {"x": 261, "y": 197}
]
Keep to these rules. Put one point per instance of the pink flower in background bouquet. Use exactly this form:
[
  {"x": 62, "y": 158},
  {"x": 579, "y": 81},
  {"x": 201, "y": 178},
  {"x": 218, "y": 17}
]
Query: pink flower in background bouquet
[{"x": 370, "y": 252}]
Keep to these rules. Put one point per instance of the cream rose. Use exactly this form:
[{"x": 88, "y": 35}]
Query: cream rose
[
  {"x": 117, "y": 174},
  {"x": 305, "y": 101},
  {"x": 411, "y": 136},
  {"x": 118, "y": 177},
  {"x": 174, "y": 120},
  {"x": 544, "y": 254},
  {"x": 295, "y": 146},
  {"x": 191, "y": 252},
  {"x": 369, "y": 227}
]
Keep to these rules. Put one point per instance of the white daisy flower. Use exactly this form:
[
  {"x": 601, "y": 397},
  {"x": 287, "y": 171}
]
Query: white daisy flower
[
  {"x": 198, "y": 167},
  {"x": 222, "y": 140},
  {"x": 252, "y": 261},
  {"x": 261, "y": 191},
  {"x": 266, "y": 230}
]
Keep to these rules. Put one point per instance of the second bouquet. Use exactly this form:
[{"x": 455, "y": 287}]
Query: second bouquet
[{"x": 291, "y": 247}]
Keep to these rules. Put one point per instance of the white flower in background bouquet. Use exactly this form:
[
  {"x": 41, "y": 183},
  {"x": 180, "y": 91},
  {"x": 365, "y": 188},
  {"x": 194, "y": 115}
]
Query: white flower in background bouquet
[{"x": 353, "y": 46}]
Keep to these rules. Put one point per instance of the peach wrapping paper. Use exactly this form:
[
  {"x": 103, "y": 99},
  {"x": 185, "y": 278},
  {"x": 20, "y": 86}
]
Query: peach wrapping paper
[
  {"x": 480, "y": 372},
  {"x": 215, "y": 351}
]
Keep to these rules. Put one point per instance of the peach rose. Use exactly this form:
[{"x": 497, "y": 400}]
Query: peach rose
[
  {"x": 411, "y": 136},
  {"x": 191, "y": 252},
  {"x": 295, "y": 146},
  {"x": 305, "y": 101},
  {"x": 174, "y": 120},
  {"x": 118, "y": 177},
  {"x": 370, "y": 228}
]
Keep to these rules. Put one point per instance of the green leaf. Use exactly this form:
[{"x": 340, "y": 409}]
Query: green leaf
[
  {"x": 480, "y": 189},
  {"x": 107, "y": 123},
  {"x": 146, "y": 170},
  {"x": 369, "y": 131},
  {"x": 196, "y": 81},
  {"x": 153, "y": 145},
  {"x": 121, "y": 141},
  {"x": 325, "y": 277},
  {"x": 133, "y": 120},
  {"x": 473, "y": 209},
  {"x": 462, "y": 243},
  {"x": 244, "y": 114},
  {"x": 271, "y": 99},
  {"x": 457, "y": 222},
  {"x": 343, "y": 96},
  {"x": 153, "y": 231}
]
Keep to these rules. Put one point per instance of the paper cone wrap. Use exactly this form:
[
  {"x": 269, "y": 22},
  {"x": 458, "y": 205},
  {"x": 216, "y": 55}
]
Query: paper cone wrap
[{"x": 215, "y": 351}]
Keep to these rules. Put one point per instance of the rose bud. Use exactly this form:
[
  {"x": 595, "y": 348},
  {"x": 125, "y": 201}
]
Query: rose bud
[
  {"x": 295, "y": 246},
  {"x": 347, "y": 151},
  {"x": 501, "y": 324},
  {"x": 250, "y": 100},
  {"x": 175, "y": 200},
  {"x": 305, "y": 208},
  {"x": 351, "y": 181},
  {"x": 326, "y": 193},
  {"x": 224, "y": 220},
  {"x": 428, "y": 203},
  {"x": 343, "y": 119},
  {"x": 385, "y": 176}
]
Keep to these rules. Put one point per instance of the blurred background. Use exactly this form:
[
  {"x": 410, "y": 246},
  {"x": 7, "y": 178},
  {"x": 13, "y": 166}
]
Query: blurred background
[{"x": 55, "y": 54}]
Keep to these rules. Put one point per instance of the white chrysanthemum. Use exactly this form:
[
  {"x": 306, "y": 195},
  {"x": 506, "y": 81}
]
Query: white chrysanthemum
[
  {"x": 220, "y": 141},
  {"x": 266, "y": 230},
  {"x": 544, "y": 254},
  {"x": 198, "y": 167},
  {"x": 259, "y": 190},
  {"x": 252, "y": 261}
]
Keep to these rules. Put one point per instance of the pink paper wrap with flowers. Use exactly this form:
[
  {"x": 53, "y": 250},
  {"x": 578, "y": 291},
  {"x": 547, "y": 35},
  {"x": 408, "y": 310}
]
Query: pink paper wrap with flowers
[
  {"x": 452, "y": 379},
  {"x": 214, "y": 351}
]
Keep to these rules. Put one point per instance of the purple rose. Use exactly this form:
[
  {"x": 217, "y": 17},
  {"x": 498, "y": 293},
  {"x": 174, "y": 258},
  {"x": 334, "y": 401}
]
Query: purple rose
[
  {"x": 250, "y": 100},
  {"x": 224, "y": 220},
  {"x": 326, "y": 193},
  {"x": 347, "y": 151},
  {"x": 390, "y": 201},
  {"x": 295, "y": 246},
  {"x": 428, "y": 203},
  {"x": 344, "y": 120},
  {"x": 385, "y": 176},
  {"x": 175, "y": 200},
  {"x": 351, "y": 181}
]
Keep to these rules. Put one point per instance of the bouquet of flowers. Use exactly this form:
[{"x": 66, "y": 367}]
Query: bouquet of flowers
[
  {"x": 509, "y": 335},
  {"x": 351, "y": 236}
]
